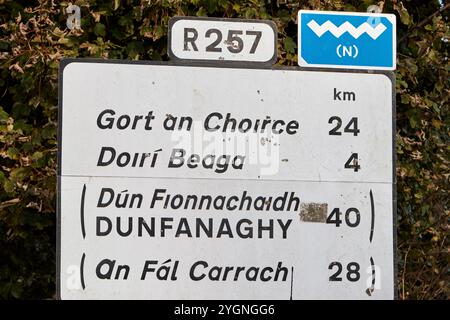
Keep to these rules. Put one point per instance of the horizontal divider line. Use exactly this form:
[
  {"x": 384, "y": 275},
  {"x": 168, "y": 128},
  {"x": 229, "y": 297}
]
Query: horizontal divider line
[{"x": 226, "y": 179}]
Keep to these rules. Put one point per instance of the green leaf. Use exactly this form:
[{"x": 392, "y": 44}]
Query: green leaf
[
  {"x": 4, "y": 45},
  {"x": 19, "y": 174},
  {"x": 201, "y": 12},
  {"x": 289, "y": 45},
  {"x": 8, "y": 185},
  {"x": 405, "y": 99},
  {"x": 12, "y": 153},
  {"x": 3, "y": 115},
  {"x": 37, "y": 155},
  {"x": 284, "y": 15},
  {"x": 99, "y": 29},
  {"x": 403, "y": 12}
]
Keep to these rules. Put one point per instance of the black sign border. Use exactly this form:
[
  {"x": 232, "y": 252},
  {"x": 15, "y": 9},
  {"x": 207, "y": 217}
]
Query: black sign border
[{"x": 220, "y": 64}]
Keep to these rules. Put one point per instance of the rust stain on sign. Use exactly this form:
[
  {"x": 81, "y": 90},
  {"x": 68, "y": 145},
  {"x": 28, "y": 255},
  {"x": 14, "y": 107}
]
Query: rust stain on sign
[{"x": 313, "y": 212}]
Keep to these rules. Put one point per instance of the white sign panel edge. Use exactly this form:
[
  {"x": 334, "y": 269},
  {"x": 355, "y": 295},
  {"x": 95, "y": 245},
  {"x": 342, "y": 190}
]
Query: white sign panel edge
[
  {"x": 84, "y": 248},
  {"x": 85, "y": 81},
  {"x": 65, "y": 62}
]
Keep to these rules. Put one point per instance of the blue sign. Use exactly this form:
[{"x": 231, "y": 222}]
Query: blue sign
[{"x": 346, "y": 40}]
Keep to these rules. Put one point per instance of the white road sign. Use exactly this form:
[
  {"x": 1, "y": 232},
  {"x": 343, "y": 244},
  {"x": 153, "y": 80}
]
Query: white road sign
[
  {"x": 180, "y": 182},
  {"x": 220, "y": 39}
]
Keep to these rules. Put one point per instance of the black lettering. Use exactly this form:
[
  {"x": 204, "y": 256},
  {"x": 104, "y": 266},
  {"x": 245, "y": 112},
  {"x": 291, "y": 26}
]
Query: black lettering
[
  {"x": 99, "y": 231},
  {"x": 177, "y": 156},
  {"x": 109, "y": 120},
  {"x": 292, "y": 127},
  {"x": 156, "y": 196},
  {"x": 190, "y": 39},
  {"x": 208, "y": 119},
  {"x": 148, "y": 118},
  {"x": 262, "y": 228},
  {"x": 123, "y": 124},
  {"x": 130, "y": 227},
  {"x": 100, "y": 203},
  {"x": 263, "y": 272},
  {"x": 224, "y": 229},
  {"x": 248, "y": 229},
  {"x": 110, "y": 265},
  {"x": 279, "y": 270},
  {"x": 147, "y": 268},
  {"x": 183, "y": 228},
  {"x": 194, "y": 266},
  {"x": 150, "y": 230},
  {"x": 101, "y": 162}
]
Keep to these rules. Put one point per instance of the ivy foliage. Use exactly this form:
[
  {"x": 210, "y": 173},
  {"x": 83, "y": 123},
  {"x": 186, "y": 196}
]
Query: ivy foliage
[{"x": 34, "y": 37}]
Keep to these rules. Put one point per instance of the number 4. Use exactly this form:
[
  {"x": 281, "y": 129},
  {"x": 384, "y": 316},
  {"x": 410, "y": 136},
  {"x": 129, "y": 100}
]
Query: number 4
[
  {"x": 337, "y": 220},
  {"x": 353, "y": 163},
  {"x": 352, "y": 126}
]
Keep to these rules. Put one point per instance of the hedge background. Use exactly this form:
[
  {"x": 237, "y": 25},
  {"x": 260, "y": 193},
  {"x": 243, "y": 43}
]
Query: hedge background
[{"x": 34, "y": 37}]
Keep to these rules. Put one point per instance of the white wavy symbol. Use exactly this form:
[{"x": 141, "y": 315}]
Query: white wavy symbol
[{"x": 319, "y": 30}]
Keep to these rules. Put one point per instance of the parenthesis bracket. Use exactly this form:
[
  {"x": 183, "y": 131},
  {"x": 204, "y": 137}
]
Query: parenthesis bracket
[
  {"x": 356, "y": 51},
  {"x": 337, "y": 50}
]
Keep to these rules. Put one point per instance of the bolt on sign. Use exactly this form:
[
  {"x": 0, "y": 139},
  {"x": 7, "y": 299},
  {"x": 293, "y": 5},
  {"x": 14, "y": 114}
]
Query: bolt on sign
[{"x": 203, "y": 182}]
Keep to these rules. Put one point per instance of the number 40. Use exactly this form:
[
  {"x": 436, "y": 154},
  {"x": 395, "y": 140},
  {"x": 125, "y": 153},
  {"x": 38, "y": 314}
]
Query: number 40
[{"x": 352, "y": 217}]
